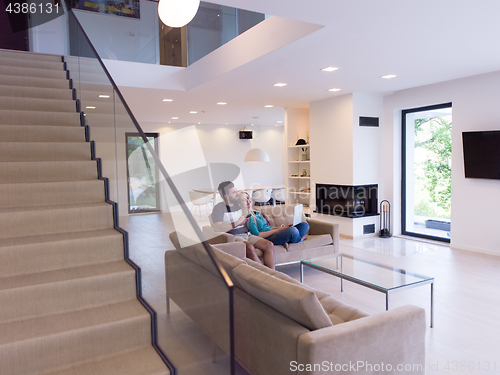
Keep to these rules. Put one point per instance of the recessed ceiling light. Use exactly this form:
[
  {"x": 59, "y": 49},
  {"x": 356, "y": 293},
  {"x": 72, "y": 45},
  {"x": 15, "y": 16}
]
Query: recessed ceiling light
[
  {"x": 103, "y": 96},
  {"x": 279, "y": 84},
  {"x": 269, "y": 106},
  {"x": 279, "y": 122},
  {"x": 166, "y": 100},
  {"x": 199, "y": 123},
  {"x": 175, "y": 118},
  {"x": 387, "y": 76},
  {"x": 90, "y": 107},
  {"x": 193, "y": 111},
  {"x": 329, "y": 69},
  {"x": 334, "y": 90},
  {"x": 221, "y": 103}
]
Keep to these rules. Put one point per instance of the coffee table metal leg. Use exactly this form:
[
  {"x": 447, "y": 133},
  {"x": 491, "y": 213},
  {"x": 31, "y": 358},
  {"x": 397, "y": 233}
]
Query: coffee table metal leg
[
  {"x": 432, "y": 305},
  {"x": 301, "y": 272},
  {"x": 387, "y": 301},
  {"x": 341, "y": 279}
]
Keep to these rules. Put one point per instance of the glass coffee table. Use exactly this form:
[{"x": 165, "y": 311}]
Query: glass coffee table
[{"x": 375, "y": 276}]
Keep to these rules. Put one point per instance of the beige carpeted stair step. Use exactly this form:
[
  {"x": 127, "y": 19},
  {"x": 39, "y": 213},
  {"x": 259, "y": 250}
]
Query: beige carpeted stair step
[
  {"x": 34, "y": 221},
  {"x": 34, "y": 194},
  {"x": 138, "y": 362},
  {"x": 33, "y": 72},
  {"x": 46, "y": 343},
  {"x": 44, "y": 171},
  {"x": 16, "y": 91},
  {"x": 44, "y": 151},
  {"x": 59, "y": 291},
  {"x": 68, "y": 299},
  {"x": 37, "y": 104},
  {"x": 8, "y": 80},
  {"x": 29, "y": 56},
  {"x": 27, "y": 63},
  {"x": 35, "y": 118},
  {"x": 29, "y": 255},
  {"x": 31, "y": 133}
]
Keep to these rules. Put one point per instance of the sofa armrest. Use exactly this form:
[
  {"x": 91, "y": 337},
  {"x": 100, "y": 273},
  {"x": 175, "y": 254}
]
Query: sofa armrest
[
  {"x": 324, "y": 227},
  {"x": 394, "y": 337},
  {"x": 214, "y": 237},
  {"x": 237, "y": 248}
]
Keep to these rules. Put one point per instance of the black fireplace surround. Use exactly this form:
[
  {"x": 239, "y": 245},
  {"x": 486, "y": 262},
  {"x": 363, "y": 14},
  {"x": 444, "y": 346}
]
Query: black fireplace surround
[{"x": 347, "y": 201}]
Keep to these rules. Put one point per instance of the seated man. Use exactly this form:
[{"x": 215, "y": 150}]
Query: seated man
[{"x": 227, "y": 217}]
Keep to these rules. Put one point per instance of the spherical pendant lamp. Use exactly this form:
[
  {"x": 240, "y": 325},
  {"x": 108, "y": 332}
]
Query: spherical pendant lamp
[
  {"x": 257, "y": 155},
  {"x": 177, "y": 13}
]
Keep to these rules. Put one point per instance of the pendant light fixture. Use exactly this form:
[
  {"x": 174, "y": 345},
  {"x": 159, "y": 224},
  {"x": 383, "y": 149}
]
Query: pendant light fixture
[
  {"x": 177, "y": 13},
  {"x": 257, "y": 155}
]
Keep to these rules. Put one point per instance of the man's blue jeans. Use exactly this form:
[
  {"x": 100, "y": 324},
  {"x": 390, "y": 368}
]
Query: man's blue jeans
[{"x": 290, "y": 234}]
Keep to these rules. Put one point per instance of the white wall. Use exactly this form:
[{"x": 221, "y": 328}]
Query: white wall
[
  {"x": 366, "y": 146},
  {"x": 475, "y": 202},
  {"x": 220, "y": 144},
  {"x": 297, "y": 124},
  {"x": 332, "y": 140},
  {"x": 123, "y": 38},
  {"x": 50, "y": 37}
]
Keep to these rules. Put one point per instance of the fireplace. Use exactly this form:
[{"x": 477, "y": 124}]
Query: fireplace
[{"x": 347, "y": 201}]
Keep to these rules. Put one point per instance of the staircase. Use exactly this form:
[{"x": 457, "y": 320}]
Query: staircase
[{"x": 68, "y": 300}]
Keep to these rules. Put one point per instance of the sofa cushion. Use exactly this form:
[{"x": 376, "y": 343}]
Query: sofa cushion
[
  {"x": 339, "y": 312},
  {"x": 292, "y": 300},
  {"x": 312, "y": 241},
  {"x": 197, "y": 254},
  {"x": 283, "y": 276}
]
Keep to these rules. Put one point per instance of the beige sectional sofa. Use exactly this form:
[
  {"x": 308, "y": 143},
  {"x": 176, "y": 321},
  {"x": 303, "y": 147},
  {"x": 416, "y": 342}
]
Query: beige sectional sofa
[
  {"x": 284, "y": 327},
  {"x": 323, "y": 239}
]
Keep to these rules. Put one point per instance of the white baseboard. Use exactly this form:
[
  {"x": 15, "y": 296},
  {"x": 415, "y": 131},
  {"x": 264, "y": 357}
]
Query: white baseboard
[{"x": 475, "y": 250}]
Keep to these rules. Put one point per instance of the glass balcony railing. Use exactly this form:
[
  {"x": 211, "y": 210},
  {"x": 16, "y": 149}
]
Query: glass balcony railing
[{"x": 148, "y": 40}]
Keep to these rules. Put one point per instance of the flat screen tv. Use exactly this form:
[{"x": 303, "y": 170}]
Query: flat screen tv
[{"x": 482, "y": 154}]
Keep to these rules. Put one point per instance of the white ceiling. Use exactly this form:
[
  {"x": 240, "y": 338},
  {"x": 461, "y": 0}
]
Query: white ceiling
[{"x": 422, "y": 42}]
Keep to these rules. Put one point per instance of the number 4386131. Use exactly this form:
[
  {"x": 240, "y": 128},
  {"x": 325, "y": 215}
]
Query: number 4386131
[{"x": 32, "y": 8}]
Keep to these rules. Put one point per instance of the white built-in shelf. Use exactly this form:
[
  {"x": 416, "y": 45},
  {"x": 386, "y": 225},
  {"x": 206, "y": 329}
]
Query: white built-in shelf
[
  {"x": 299, "y": 161},
  {"x": 299, "y": 193},
  {"x": 304, "y": 146},
  {"x": 300, "y": 177}
]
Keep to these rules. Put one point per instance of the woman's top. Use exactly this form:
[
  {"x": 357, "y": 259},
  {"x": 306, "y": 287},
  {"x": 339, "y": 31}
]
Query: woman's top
[{"x": 257, "y": 224}]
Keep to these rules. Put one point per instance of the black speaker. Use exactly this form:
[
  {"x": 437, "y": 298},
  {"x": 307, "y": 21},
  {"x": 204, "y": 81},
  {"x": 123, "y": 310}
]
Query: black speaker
[
  {"x": 246, "y": 134},
  {"x": 368, "y": 121}
]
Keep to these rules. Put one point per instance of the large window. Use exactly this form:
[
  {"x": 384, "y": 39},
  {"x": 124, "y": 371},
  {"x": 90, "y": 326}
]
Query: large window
[
  {"x": 426, "y": 183},
  {"x": 142, "y": 174}
]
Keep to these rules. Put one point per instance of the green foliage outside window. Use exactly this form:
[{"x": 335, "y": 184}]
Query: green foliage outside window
[{"x": 433, "y": 139}]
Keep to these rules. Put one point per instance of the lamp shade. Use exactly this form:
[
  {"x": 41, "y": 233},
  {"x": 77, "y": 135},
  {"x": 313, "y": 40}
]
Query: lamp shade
[
  {"x": 177, "y": 13},
  {"x": 257, "y": 155}
]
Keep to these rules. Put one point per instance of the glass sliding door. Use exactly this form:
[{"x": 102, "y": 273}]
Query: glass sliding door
[
  {"x": 142, "y": 174},
  {"x": 426, "y": 182}
]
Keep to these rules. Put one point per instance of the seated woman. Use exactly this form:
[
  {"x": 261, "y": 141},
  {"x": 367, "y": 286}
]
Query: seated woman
[{"x": 259, "y": 225}]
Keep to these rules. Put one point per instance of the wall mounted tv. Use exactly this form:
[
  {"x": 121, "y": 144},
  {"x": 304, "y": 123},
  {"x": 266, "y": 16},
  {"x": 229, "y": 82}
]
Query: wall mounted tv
[{"x": 482, "y": 154}]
